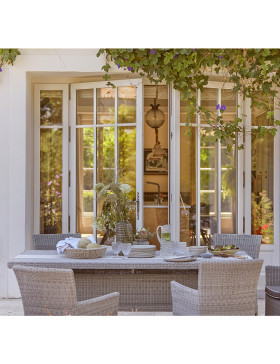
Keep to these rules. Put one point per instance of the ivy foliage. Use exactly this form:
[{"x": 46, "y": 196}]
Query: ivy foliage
[
  {"x": 8, "y": 56},
  {"x": 254, "y": 74}
]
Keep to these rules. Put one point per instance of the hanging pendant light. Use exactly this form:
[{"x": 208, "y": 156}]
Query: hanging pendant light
[{"x": 155, "y": 119}]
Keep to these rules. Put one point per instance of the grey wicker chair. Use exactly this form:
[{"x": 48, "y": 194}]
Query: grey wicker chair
[
  {"x": 272, "y": 290},
  {"x": 225, "y": 287},
  {"x": 52, "y": 292},
  {"x": 49, "y": 241},
  {"x": 249, "y": 243}
]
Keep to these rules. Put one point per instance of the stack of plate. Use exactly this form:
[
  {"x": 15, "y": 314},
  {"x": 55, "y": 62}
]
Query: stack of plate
[
  {"x": 142, "y": 251},
  {"x": 196, "y": 251}
]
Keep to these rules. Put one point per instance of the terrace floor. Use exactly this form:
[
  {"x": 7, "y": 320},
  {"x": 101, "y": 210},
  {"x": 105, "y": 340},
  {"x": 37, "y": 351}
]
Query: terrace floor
[{"x": 13, "y": 307}]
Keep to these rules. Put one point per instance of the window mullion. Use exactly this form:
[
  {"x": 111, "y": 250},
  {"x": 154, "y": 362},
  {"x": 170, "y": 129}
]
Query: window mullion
[
  {"x": 116, "y": 137},
  {"x": 218, "y": 171},
  {"x": 198, "y": 171},
  {"x": 94, "y": 157}
]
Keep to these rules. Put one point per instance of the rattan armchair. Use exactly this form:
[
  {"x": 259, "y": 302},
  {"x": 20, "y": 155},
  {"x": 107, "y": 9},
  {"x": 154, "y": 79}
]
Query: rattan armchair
[
  {"x": 272, "y": 290},
  {"x": 249, "y": 243},
  {"x": 226, "y": 287},
  {"x": 49, "y": 241},
  {"x": 52, "y": 292}
]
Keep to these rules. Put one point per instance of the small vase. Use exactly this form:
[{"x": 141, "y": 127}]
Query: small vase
[{"x": 124, "y": 232}]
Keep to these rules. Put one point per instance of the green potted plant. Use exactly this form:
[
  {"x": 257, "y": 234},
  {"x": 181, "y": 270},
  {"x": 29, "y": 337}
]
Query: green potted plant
[{"x": 115, "y": 210}]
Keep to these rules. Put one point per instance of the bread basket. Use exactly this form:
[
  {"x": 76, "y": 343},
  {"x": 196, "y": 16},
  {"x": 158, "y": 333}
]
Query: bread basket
[{"x": 85, "y": 253}]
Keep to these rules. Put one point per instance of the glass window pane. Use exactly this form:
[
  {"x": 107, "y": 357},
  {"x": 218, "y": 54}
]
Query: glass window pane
[
  {"x": 127, "y": 162},
  {"x": 259, "y": 114},
  {"x": 262, "y": 186},
  {"x": 184, "y": 111},
  {"x": 127, "y": 104},
  {"x": 51, "y": 107},
  {"x": 228, "y": 193},
  {"x": 229, "y": 100},
  {"x": 50, "y": 181},
  {"x": 188, "y": 186},
  {"x": 127, "y": 157},
  {"x": 105, "y": 155},
  {"x": 208, "y": 182},
  {"x": 209, "y": 100},
  {"x": 84, "y": 173},
  {"x": 105, "y": 105},
  {"x": 84, "y": 107}
]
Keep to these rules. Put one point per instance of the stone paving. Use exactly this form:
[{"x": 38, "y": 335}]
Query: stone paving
[{"x": 13, "y": 307}]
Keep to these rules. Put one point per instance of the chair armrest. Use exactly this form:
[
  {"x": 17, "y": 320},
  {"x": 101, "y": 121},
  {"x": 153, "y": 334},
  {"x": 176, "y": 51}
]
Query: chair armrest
[
  {"x": 107, "y": 305},
  {"x": 184, "y": 299},
  {"x": 272, "y": 275}
]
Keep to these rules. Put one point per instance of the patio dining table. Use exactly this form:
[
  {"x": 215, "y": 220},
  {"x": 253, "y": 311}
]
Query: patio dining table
[{"x": 143, "y": 283}]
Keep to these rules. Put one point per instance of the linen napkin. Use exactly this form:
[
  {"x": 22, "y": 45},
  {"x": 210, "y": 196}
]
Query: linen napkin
[{"x": 71, "y": 243}]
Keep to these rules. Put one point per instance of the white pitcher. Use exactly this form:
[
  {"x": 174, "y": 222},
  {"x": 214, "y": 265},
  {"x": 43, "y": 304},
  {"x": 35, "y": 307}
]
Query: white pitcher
[
  {"x": 165, "y": 240},
  {"x": 165, "y": 233}
]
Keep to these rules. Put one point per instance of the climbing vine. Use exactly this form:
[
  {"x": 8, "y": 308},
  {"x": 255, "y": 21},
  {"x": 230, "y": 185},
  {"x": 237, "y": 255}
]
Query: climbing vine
[
  {"x": 8, "y": 56},
  {"x": 253, "y": 73}
]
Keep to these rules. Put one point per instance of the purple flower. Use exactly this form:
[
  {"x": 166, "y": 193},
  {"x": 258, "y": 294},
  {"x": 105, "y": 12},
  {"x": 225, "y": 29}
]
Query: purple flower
[
  {"x": 129, "y": 68},
  {"x": 57, "y": 176},
  {"x": 223, "y": 107},
  {"x": 153, "y": 51},
  {"x": 194, "y": 49},
  {"x": 49, "y": 183},
  {"x": 0, "y": 69},
  {"x": 176, "y": 56},
  {"x": 119, "y": 66},
  {"x": 220, "y": 57},
  {"x": 217, "y": 107}
]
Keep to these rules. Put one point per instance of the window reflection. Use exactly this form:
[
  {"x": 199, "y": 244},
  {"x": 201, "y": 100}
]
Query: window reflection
[
  {"x": 50, "y": 181},
  {"x": 262, "y": 186}
]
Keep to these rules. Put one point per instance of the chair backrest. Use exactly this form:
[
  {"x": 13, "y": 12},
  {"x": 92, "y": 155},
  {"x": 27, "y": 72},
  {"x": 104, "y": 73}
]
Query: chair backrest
[
  {"x": 46, "y": 291},
  {"x": 228, "y": 287},
  {"x": 49, "y": 241},
  {"x": 249, "y": 243}
]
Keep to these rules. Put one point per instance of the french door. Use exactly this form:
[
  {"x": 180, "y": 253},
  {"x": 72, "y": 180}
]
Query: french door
[{"x": 105, "y": 145}]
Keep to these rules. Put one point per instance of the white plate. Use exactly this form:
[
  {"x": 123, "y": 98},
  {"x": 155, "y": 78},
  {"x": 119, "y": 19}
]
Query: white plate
[{"x": 180, "y": 259}]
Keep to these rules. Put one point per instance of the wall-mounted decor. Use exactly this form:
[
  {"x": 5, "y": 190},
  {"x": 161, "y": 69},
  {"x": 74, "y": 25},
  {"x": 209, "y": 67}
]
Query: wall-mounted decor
[{"x": 154, "y": 165}]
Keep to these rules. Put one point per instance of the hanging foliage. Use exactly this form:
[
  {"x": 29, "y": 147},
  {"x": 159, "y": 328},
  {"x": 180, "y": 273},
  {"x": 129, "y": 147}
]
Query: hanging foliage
[
  {"x": 253, "y": 73},
  {"x": 8, "y": 56}
]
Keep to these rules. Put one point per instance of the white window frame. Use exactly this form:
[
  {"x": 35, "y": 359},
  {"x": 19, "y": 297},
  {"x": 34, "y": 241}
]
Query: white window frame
[
  {"x": 37, "y": 127},
  {"x": 139, "y": 144},
  {"x": 175, "y": 164}
]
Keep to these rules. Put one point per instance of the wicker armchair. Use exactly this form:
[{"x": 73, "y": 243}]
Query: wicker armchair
[
  {"x": 249, "y": 243},
  {"x": 52, "y": 292},
  {"x": 49, "y": 241},
  {"x": 272, "y": 290},
  {"x": 225, "y": 287}
]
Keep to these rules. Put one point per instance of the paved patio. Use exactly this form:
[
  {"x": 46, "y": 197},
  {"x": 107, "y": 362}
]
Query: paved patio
[{"x": 13, "y": 307}]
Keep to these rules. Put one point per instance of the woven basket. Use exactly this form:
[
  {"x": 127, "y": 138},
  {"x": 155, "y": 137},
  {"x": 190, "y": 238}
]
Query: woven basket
[{"x": 85, "y": 253}]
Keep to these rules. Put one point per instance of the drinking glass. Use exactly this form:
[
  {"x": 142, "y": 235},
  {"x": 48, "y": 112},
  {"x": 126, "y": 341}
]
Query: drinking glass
[
  {"x": 116, "y": 247},
  {"x": 126, "y": 248}
]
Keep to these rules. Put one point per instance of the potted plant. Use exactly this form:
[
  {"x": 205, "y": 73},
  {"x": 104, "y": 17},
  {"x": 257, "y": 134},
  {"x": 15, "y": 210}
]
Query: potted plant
[
  {"x": 115, "y": 210},
  {"x": 143, "y": 236}
]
